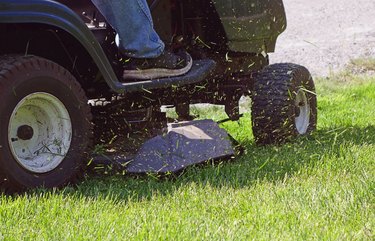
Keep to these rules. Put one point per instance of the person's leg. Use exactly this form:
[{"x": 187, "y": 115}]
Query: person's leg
[
  {"x": 132, "y": 21},
  {"x": 137, "y": 39}
]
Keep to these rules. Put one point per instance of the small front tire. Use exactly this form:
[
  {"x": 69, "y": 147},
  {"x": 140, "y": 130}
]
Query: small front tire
[{"x": 284, "y": 104}]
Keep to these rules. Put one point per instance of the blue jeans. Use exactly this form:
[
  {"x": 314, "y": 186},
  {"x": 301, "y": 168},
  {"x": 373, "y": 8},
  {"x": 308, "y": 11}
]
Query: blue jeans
[{"x": 132, "y": 21}]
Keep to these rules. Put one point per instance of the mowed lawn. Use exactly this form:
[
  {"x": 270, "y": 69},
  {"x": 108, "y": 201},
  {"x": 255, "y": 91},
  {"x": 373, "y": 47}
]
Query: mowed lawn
[{"x": 320, "y": 187}]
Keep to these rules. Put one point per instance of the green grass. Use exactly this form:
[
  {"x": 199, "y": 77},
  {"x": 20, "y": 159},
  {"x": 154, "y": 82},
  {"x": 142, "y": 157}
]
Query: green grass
[{"x": 320, "y": 187}]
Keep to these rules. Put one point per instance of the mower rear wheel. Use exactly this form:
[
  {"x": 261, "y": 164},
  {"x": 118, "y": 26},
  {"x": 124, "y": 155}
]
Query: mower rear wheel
[
  {"x": 45, "y": 124},
  {"x": 284, "y": 104}
]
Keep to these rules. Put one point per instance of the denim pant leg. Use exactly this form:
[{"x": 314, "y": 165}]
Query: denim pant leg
[{"x": 132, "y": 21}]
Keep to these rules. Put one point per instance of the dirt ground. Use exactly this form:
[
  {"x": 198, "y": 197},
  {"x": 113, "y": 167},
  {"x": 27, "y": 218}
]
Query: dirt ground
[{"x": 324, "y": 35}]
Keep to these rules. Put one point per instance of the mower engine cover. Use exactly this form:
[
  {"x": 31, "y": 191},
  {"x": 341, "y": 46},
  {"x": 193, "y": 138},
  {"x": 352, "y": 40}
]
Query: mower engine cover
[{"x": 253, "y": 25}]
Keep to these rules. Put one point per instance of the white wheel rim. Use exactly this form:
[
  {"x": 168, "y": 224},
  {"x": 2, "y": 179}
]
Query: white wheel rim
[
  {"x": 39, "y": 132},
  {"x": 302, "y": 120}
]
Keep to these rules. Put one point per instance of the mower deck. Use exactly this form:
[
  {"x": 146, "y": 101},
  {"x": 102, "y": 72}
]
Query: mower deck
[{"x": 185, "y": 144}]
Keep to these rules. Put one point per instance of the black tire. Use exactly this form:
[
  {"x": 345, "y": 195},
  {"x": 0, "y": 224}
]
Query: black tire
[
  {"x": 275, "y": 115},
  {"x": 24, "y": 76}
]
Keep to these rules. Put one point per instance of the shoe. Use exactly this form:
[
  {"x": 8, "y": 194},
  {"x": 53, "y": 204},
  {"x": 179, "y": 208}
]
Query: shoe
[{"x": 166, "y": 65}]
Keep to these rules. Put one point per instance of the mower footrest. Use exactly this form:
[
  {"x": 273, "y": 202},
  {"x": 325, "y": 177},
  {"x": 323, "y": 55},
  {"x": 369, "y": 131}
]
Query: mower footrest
[{"x": 199, "y": 71}]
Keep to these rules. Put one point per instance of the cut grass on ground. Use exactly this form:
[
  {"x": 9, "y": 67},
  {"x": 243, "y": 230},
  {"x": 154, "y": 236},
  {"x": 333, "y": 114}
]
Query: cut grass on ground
[
  {"x": 317, "y": 188},
  {"x": 363, "y": 65}
]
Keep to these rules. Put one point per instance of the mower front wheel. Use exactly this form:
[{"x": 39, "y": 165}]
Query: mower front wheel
[{"x": 284, "y": 104}]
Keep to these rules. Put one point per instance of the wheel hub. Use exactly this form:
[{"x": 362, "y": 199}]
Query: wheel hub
[
  {"x": 302, "y": 112},
  {"x": 25, "y": 132},
  {"x": 39, "y": 132}
]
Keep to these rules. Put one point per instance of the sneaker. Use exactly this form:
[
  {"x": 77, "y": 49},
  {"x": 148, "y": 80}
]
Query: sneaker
[{"x": 166, "y": 65}]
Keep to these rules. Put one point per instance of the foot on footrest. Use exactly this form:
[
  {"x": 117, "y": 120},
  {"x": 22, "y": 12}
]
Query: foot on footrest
[
  {"x": 168, "y": 64},
  {"x": 199, "y": 71}
]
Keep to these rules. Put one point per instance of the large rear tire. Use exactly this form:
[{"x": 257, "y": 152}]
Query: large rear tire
[
  {"x": 284, "y": 104},
  {"x": 45, "y": 124}
]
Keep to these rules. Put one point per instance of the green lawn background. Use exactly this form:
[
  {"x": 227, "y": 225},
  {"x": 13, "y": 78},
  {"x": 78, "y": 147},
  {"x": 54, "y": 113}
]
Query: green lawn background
[{"x": 316, "y": 188}]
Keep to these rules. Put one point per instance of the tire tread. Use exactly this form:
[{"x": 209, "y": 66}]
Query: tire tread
[{"x": 9, "y": 64}]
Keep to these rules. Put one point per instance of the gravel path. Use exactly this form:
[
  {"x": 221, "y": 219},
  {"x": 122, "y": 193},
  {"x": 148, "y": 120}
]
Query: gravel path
[{"x": 324, "y": 35}]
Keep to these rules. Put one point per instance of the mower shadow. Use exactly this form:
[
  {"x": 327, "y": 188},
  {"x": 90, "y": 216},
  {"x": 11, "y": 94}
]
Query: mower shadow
[{"x": 258, "y": 164}]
